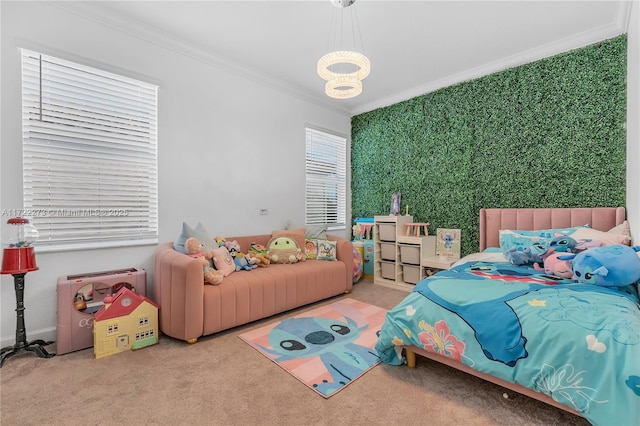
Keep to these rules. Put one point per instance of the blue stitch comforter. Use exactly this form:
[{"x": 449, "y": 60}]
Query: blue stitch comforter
[{"x": 578, "y": 343}]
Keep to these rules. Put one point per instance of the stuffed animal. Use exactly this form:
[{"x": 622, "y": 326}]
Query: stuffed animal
[
  {"x": 555, "y": 266},
  {"x": 195, "y": 250},
  {"x": 518, "y": 255},
  {"x": 563, "y": 244},
  {"x": 284, "y": 250},
  {"x": 608, "y": 266},
  {"x": 258, "y": 251},
  {"x": 243, "y": 262}
]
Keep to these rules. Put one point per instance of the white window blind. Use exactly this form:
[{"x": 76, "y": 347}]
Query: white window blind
[
  {"x": 326, "y": 179},
  {"x": 90, "y": 175}
]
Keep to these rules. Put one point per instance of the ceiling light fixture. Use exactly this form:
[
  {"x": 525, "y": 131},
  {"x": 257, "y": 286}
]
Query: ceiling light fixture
[{"x": 344, "y": 67}]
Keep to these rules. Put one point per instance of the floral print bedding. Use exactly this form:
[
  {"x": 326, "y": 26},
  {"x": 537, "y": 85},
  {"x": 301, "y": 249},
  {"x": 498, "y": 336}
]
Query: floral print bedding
[{"x": 578, "y": 343}]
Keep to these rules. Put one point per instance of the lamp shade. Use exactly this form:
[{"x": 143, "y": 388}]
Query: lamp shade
[{"x": 18, "y": 260}]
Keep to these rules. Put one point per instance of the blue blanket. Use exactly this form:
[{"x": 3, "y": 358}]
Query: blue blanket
[{"x": 579, "y": 344}]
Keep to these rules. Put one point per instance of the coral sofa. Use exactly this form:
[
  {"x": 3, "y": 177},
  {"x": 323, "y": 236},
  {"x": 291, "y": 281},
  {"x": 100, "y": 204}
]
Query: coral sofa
[{"x": 190, "y": 309}]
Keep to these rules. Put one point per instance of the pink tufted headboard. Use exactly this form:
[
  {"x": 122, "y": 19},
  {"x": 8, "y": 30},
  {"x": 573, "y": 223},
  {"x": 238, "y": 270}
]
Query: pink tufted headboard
[{"x": 493, "y": 220}]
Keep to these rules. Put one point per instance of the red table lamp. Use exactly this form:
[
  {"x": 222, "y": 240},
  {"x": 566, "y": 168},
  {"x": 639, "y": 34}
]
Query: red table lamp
[{"x": 18, "y": 258}]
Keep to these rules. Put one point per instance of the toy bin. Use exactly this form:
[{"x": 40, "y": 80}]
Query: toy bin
[
  {"x": 410, "y": 254},
  {"x": 388, "y": 251},
  {"x": 411, "y": 274},
  {"x": 387, "y": 231},
  {"x": 388, "y": 270}
]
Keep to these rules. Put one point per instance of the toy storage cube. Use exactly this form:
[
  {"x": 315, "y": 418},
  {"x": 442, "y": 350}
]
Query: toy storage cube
[
  {"x": 388, "y": 251},
  {"x": 368, "y": 257},
  {"x": 387, "y": 231},
  {"x": 75, "y": 326},
  {"x": 410, "y": 254},
  {"x": 388, "y": 270},
  {"x": 411, "y": 273}
]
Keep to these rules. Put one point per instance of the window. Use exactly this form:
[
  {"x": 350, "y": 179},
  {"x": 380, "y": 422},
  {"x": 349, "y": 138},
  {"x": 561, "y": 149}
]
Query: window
[
  {"x": 89, "y": 155},
  {"x": 326, "y": 179}
]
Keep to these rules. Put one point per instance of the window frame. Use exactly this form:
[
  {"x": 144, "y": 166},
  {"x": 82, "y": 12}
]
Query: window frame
[
  {"x": 89, "y": 155},
  {"x": 327, "y": 144}
]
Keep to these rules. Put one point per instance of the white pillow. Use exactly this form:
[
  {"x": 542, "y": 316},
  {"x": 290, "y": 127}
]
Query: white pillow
[
  {"x": 605, "y": 238},
  {"x": 622, "y": 229}
]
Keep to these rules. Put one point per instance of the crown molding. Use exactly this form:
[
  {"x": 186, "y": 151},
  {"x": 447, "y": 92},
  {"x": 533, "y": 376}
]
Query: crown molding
[
  {"x": 616, "y": 28},
  {"x": 98, "y": 14},
  {"x": 94, "y": 12}
]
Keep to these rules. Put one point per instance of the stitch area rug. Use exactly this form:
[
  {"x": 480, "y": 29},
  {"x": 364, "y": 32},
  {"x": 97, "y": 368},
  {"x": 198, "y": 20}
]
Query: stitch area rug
[{"x": 326, "y": 348}]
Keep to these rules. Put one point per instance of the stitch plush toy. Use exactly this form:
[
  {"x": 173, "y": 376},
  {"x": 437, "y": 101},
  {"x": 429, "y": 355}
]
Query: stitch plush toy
[
  {"x": 525, "y": 255},
  {"x": 608, "y": 266},
  {"x": 258, "y": 251},
  {"x": 194, "y": 249}
]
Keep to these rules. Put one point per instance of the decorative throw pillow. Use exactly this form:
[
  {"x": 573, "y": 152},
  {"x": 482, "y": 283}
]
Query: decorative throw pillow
[
  {"x": 208, "y": 242},
  {"x": 316, "y": 231},
  {"x": 186, "y": 232},
  {"x": 310, "y": 248},
  {"x": 201, "y": 233},
  {"x": 223, "y": 261},
  {"x": 622, "y": 229},
  {"x": 296, "y": 235},
  {"x": 605, "y": 238},
  {"x": 326, "y": 250}
]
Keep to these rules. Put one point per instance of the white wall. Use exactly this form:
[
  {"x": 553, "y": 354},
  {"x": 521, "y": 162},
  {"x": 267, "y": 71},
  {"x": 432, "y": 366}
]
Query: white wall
[
  {"x": 228, "y": 146},
  {"x": 633, "y": 124}
]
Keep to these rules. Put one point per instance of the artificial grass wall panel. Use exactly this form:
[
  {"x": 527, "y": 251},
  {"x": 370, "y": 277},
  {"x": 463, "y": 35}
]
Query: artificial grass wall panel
[{"x": 546, "y": 134}]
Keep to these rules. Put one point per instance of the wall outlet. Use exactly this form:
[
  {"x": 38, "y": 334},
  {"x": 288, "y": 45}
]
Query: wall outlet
[{"x": 264, "y": 212}]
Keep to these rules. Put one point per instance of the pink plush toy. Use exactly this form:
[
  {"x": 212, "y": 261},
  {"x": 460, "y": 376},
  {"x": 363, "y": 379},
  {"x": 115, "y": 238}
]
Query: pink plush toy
[{"x": 555, "y": 266}]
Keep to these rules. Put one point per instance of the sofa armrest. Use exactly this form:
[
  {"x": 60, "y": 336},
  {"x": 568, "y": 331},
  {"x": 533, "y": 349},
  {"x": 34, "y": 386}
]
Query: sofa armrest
[
  {"x": 179, "y": 291},
  {"x": 344, "y": 253}
]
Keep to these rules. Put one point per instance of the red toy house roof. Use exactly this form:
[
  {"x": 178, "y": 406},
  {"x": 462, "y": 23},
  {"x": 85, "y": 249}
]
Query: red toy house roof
[{"x": 122, "y": 304}]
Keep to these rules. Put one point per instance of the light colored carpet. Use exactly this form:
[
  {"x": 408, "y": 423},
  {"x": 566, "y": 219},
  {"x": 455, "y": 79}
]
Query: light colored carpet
[{"x": 222, "y": 381}]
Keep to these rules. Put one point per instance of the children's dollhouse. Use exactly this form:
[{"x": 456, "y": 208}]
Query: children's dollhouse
[{"x": 126, "y": 321}]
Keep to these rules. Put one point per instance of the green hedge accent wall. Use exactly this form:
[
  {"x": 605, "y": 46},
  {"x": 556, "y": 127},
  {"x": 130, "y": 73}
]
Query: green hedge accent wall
[{"x": 546, "y": 134}]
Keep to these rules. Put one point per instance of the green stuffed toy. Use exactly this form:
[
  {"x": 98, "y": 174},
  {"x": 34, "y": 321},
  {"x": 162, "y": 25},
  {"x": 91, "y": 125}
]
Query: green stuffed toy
[{"x": 284, "y": 250}]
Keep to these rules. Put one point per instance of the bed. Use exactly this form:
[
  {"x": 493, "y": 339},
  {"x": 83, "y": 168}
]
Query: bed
[{"x": 571, "y": 345}]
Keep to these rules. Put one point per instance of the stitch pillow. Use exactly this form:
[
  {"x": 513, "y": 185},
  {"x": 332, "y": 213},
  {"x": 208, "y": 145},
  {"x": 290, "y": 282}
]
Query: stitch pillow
[
  {"x": 223, "y": 261},
  {"x": 523, "y": 238},
  {"x": 296, "y": 235}
]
